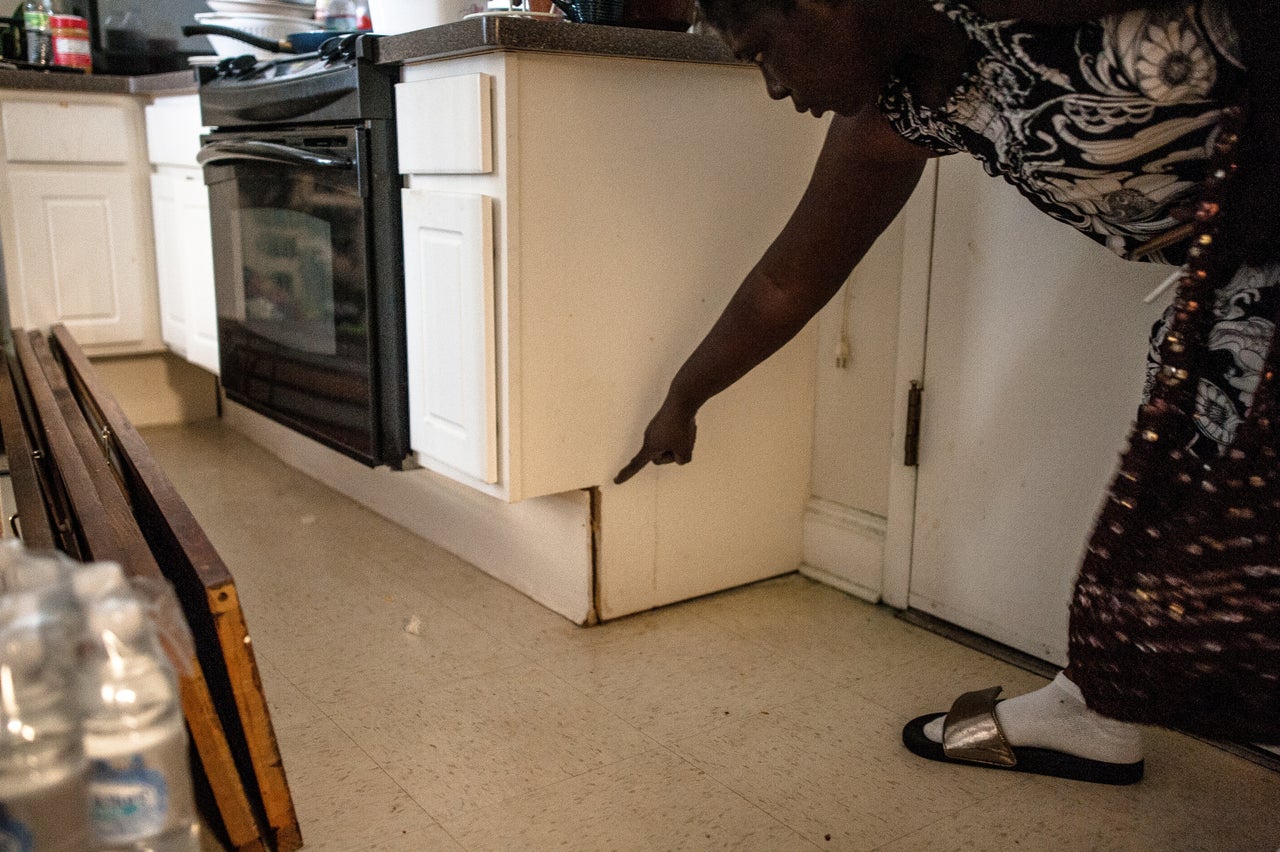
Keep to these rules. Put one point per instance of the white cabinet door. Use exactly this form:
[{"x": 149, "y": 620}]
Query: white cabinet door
[
  {"x": 195, "y": 239},
  {"x": 173, "y": 297},
  {"x": 173, "y": 130},
  {"x": 449, "y": 302},
  {"x": 1034, "y": 367},
  {"x": 184, "y": 265},
  {"x": 84, "y": 255}
]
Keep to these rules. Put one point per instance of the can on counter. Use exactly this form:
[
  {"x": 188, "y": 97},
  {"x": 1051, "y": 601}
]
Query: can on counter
[{"x": 71, "y": 42}]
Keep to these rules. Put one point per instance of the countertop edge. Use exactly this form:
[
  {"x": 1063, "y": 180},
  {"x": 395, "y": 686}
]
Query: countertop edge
[
  {"x": 170, "y": 83},
  {"x": 484, "y": 35},
  {"x": 447, "y": 41}
]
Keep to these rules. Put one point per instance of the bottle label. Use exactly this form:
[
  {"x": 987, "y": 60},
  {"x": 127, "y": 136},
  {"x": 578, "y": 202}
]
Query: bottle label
[
  {"x": 33, "y": 19},
  {"x": 15, "y": 836},
  {"x": 129, "y": 802}
]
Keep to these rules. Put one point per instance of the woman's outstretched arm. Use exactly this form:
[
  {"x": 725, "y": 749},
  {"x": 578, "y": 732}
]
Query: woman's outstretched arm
[{"x": 863, "y": 177}]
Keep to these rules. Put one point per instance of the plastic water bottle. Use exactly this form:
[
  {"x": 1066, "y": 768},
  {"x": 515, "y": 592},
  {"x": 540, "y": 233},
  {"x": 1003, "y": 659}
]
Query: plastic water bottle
[
  {"x": 43, "y": 802},
  {"x": 340, "y": 16},
  {"x": 38, "y": 34},
  {"x": 135, "y": 739}
]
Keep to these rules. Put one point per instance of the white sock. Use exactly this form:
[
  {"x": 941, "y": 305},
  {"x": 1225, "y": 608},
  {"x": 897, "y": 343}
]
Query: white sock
[{"x": 1055, "y": 717}]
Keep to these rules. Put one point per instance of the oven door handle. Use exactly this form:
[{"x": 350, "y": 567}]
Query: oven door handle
[{"x": 225, "y": 151}]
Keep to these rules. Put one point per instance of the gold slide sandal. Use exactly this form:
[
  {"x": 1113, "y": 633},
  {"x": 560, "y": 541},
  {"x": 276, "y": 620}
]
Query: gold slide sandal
[{"x": 971, "y": 735}]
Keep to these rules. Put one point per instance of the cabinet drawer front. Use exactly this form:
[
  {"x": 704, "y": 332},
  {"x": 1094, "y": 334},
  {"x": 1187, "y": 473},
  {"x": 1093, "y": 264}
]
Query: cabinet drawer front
[
  {"x": 444, "y": 126},
  {"x": 173, "y": 130},
  {"x": 449, "y": 305},
  {"x": 41, "y": 132}
]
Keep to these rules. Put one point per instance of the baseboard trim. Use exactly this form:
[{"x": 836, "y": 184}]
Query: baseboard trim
[
  {"x": 844, "y": 548},
  {"x": 541, "y": 547}
]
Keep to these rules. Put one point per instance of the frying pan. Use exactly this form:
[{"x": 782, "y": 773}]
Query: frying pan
[{"x": 306, "y": 42}]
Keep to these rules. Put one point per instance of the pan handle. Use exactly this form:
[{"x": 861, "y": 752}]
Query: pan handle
[
  {"x": 276, "y": 45},
  {"x": 227, "y": 151}
]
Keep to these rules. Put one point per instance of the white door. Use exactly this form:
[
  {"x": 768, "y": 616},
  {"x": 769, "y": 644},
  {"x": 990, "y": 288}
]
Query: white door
[
  {"x": 1033, "y": 372},
  {"x": 449, "y": 308}
]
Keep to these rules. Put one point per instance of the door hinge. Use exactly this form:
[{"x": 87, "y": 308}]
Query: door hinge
[{"x": 911, "y": 438}]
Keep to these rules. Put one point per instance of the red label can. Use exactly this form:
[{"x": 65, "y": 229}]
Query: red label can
[{"x": 70, "y": 41}]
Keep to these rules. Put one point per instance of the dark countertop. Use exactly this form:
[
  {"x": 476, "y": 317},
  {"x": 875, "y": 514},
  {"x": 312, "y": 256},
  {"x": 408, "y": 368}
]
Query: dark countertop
[
  {"x": 481, "y": 35},
  {"x": 461, "y": 38},
  {"x": 171, "y": 83}
]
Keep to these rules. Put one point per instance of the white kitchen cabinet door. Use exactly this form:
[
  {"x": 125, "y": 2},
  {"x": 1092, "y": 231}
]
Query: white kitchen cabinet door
[
  {"x": 195, "y": 239},
  {"x": 84, "y": 255},
  {"x": 1035, "y": 358},
  {"x": 173, "y": 297},
  {"x": 184, "y": 265},
  {"x": 173, "y": 130},
  {"x": 449, "y": 303},
  {"x": 446, "y": 125}
]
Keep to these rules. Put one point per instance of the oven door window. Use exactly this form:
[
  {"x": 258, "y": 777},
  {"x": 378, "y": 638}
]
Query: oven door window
[
  {"x": 294, "y": 296},
  {"x": 287, "y": 260}
]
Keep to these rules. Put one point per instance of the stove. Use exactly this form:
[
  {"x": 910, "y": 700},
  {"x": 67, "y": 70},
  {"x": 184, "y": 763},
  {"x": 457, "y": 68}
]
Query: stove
[{"x": 305, "y": 204}]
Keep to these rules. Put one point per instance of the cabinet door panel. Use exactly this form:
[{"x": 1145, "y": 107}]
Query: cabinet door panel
[
  {"x": 82, "y": 259},
  {"x": 173, "y": 130},
  {"x": 87, "y": 133},
  {"x": 449, "y": 300},
  {"x": 196, "y": 241},
  {"x": 173, "y": 299},
  {"x": 445, "y": 126}
]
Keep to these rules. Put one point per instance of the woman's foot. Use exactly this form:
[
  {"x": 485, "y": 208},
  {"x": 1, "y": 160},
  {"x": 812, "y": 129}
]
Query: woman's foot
[{"x": 1055, "y": 718}]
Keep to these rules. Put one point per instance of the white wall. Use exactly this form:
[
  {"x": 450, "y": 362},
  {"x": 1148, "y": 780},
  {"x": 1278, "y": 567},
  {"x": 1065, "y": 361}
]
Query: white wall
[
  {"x": 853, "y": 416},
  {"x": 854, "y": 448}
]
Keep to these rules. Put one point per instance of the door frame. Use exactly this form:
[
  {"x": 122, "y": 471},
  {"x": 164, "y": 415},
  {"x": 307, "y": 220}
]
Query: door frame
[{"x": 913, "y": 314}]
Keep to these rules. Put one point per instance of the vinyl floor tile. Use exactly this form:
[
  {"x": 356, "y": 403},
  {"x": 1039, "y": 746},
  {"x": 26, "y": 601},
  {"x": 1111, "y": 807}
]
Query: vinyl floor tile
[
  {"x": 833, "y": 768},
  {"x": 762, "y": 718},
  {"x": 489, "y": 738},
  {"x": 651, "y": 801},
  {"x": 346, "y": 802}
]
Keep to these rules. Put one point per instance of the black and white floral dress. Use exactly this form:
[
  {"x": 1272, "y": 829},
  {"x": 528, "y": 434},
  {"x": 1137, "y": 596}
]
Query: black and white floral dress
[{"x": 1108, "y": 126}]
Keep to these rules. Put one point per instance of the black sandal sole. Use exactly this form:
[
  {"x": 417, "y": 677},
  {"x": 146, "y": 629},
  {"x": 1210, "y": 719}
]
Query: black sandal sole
[{"x": 1037, "y": 761}]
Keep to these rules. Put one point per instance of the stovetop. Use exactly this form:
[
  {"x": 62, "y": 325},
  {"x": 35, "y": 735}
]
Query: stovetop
[{"x": 339, "y": 83}]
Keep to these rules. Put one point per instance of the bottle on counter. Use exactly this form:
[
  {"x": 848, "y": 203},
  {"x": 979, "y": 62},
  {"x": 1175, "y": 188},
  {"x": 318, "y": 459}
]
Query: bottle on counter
[
  {"x": 340, "y": 15},
  {"x": 135, "y": 737},
  {"x": 35, "y": 26},
  {"x": 43, "y": 770}
]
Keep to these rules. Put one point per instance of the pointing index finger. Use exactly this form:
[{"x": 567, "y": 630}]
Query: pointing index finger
[{"x": 633, "y": 467}]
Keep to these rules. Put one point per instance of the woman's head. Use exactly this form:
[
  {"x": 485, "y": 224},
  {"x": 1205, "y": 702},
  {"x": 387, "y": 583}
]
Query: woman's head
[{"x": 823, "y": 54}]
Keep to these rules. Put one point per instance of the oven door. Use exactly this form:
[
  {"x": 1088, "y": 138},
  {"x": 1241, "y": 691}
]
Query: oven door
[{"x": 298, "y": 322}]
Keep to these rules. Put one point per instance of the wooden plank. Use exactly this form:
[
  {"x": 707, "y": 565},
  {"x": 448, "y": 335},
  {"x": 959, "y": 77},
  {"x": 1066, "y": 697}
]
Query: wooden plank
[
  {"x": 106, "y": 521},
  {"x": 32, "y": 511},
  {"x": 189, "y": 560},
  {"x": 63, "y": 456}
]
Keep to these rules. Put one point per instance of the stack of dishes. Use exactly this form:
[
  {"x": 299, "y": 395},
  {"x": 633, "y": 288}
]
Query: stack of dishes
[
  {"x": 280, "y": 8},
  {"x": 269, "y": 19}
]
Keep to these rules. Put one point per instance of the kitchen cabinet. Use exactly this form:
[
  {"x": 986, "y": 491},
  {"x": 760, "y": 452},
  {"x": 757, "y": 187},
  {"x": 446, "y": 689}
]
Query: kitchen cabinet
[
  {"x": 77, "y": 236},
  {"x": 184, "y": 247},
  {"x": 573, "y": 226},
  {"x": 618, "y": 234}
]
